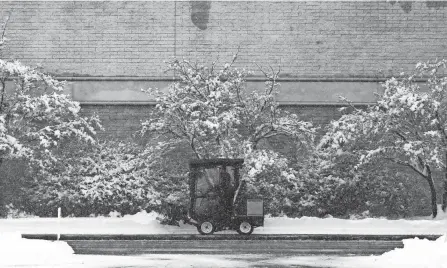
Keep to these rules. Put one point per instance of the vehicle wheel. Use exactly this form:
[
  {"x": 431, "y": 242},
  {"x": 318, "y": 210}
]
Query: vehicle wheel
[
  {"x": 206, "y": 228},
  {"x": 245, "y": 228}
]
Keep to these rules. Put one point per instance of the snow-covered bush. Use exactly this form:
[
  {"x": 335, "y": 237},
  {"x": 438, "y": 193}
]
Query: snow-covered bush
[
  {"x": 321, "y": 187},
  {"x": 268, "y": 175},
  {"x": 13, "y": 213},
  {"x": 407, "y": 126},
  {"x": 111, "y": 176},
  {"x": 340, "y": 190}
]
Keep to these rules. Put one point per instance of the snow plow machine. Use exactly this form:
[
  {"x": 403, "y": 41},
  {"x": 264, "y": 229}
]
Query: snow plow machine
[{"x": 217, "y": 198}]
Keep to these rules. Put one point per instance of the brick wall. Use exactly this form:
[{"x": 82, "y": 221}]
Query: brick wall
[
  {"x": 327, "y": 39},
  {"x": 119, "y": 121},
  {"x": 324, "y": 39},
  {"x": 92, "y": 38}
]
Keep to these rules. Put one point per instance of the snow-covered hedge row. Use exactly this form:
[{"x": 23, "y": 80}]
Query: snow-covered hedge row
[
  {"x": 127, "y": 178},
  {"x": 112, "y": 176}
]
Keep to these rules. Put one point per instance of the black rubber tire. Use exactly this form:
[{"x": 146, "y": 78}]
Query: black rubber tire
[
  {"x": 206, "y": 228},
  {"x": 245, "y": 228}
]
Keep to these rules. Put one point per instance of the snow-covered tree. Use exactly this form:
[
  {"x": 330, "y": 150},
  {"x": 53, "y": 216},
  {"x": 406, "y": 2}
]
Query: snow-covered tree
[
  {"x": 211, "y": 112},
  {"x": 36, "y": 115},
  {"x": 406, "y": 126},
  {"x": 217, "y": 116}
]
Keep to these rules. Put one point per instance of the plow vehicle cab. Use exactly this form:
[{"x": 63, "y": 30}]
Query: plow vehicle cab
[{"x": 217, "y": 199}]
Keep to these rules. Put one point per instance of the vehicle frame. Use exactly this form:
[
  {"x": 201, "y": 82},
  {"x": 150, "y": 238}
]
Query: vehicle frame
[{"x": 243, "y": 214}]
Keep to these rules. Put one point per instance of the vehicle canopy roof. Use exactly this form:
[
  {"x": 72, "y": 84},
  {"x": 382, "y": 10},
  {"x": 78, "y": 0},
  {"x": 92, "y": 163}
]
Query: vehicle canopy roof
[{"x": 215, "y": 162}]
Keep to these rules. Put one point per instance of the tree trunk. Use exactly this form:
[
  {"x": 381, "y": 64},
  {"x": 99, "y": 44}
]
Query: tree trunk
[
  {"x": 444, "y": 187},
  {"x": 434, "y": 205},
  {"x": 444, "y": 193},
  {"x": 2, "y": 201}
]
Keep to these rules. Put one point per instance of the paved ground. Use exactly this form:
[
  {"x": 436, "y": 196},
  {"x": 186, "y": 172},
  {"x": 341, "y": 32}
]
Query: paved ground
[
  {"x": 231, "y": 247},
  {"x": 232, "y": 244},
  {"x": 255, "y": 251}
]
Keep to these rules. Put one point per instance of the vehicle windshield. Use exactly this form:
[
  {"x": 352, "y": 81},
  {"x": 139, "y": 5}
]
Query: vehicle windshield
[
  {"x": 209, "y": 179},
  {"x": 208, "y": 192}
]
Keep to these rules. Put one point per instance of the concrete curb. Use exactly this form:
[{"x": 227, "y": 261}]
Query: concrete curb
[{"x": 333, "y": 237}]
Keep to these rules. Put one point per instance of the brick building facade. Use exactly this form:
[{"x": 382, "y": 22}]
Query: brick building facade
[{"x": 110, "y": 50}]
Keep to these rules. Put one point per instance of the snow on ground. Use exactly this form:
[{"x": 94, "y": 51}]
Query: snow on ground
[
  {"x": 18, "y": 252},
  {"x": 416, "y": 253},
  {"x": 146, "y": 223},
  {"x": 14, "y": 250}
]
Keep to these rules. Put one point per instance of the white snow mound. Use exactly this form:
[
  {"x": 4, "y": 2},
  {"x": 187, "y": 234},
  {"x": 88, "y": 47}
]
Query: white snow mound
[
  {"x": 15, "y": 250},
  {"x": 143, "y": 217},
  {"x": 441, "y": 214},
  {"x": 416, "y": 253}
]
